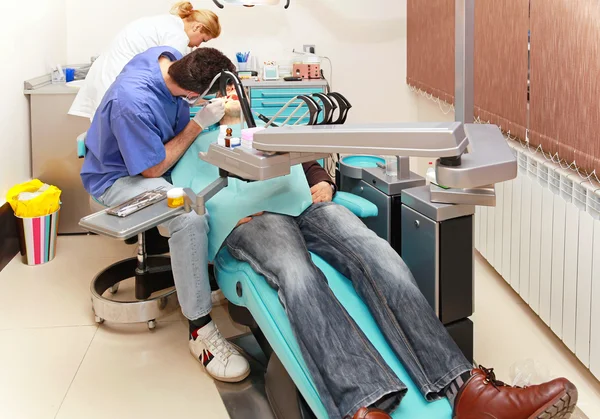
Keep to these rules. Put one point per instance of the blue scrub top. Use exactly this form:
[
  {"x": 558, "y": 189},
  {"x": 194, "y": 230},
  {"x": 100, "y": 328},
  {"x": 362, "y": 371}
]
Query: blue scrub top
[{"x": 136, "y": 117}]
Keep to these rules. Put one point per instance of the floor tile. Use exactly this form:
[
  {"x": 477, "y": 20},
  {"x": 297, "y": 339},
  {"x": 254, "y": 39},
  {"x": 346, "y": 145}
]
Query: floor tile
[
  {"x": 38, "y": 367},
  {"x": 49, "y": 295},
  {"x": 93, "y": 246},
  {"x": 130, "y": 372}
]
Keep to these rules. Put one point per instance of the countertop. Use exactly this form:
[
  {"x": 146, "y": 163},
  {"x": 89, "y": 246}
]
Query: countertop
[
  {"x": 43, "y": 86},
  {"x": 53, "y": 89},
  {"x": 283, "y": 84}
]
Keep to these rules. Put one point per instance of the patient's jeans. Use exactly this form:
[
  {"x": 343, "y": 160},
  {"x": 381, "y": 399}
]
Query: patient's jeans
[
  {"x": 348, "y": 371},
  {"x": 188, "y": 245}
]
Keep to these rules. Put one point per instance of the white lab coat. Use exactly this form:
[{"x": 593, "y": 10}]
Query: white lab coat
[{"x": 136, "y": 38}]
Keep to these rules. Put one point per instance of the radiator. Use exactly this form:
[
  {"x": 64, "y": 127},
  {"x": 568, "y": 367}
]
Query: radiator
[{"x": 543, "y": 238}]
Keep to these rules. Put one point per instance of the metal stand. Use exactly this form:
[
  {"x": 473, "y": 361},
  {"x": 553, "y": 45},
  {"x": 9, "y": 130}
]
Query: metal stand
[
  {"x": 152, "y": 274},
  {"x": 268, "y": 393}
]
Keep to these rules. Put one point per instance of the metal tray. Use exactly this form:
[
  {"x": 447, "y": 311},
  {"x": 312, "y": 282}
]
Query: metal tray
[{"x": 126, "y": 227}]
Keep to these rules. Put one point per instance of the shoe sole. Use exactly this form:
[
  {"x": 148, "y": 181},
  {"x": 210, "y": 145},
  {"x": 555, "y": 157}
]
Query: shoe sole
[
  {"x": 230, "y": 380},
  {"x": 561, "y": 407}
]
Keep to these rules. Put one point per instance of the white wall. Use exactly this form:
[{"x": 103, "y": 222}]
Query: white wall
[
  {"x": 366, "y": 40},
  {"x": 32, "y": 35}
]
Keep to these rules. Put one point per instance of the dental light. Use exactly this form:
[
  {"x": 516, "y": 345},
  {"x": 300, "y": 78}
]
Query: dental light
[{"x": 251, "y": 3}]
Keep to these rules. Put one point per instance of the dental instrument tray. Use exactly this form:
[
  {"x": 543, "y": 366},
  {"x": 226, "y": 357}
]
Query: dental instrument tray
[
  {"x": 123, "y": 228},
  {"x": 141, "y": 201}
]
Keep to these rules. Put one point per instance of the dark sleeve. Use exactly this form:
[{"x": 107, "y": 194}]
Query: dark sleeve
[{"x": 316, "y": 174}]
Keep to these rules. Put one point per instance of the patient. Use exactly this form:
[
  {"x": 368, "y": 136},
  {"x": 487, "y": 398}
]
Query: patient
[{"x": 352, "y": 378}]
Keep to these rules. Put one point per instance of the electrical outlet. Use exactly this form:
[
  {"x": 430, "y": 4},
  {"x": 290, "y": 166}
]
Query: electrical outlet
[{"x": 309, "y": 48}]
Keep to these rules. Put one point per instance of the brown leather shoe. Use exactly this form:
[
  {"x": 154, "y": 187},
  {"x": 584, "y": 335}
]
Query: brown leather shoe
[
  {"x": 370, "y": 413},
  {"x": 483, "y": 396}
]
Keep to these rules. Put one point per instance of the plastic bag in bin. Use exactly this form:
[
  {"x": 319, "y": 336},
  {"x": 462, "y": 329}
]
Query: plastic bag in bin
[{"x": 33, "y": 199}]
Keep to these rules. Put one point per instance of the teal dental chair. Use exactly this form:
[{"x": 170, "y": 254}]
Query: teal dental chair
[
  {"x": 254, "y": 303},
  {"x": 245, "y": 288}
]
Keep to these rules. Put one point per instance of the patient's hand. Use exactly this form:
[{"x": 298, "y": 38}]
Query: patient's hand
[
  {"x": 321, "y": 192},
  {"x": 248, "y": 219}
]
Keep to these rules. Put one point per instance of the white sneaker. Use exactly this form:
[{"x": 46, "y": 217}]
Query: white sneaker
[{"x": 220, "y": 359}]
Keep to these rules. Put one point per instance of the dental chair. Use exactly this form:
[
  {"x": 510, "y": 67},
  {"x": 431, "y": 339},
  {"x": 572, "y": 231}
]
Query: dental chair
[
  {"x": 266, "y": 317},
  {"x": 155, "y": 294},
  {"x": 253, "y": 303}
]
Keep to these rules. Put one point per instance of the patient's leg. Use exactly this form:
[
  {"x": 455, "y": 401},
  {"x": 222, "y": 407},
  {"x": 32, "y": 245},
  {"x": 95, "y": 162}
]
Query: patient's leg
[
  {"x": 387, "y": 286},
  {"x": 348, "y": 372}
]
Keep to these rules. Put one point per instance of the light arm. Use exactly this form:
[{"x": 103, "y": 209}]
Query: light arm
[{"x": 489, "y": 161}]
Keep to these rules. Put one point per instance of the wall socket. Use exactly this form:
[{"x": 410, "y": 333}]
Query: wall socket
[{"x": 309, "y": 48}]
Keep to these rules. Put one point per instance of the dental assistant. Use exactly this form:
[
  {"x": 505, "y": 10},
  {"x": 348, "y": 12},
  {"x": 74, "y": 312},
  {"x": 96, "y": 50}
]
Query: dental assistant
[{"x": 184, "y": 27}]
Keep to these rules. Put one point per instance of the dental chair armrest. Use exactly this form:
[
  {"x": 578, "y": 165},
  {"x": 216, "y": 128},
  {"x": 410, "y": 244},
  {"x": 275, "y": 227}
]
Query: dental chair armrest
[
  {"x": 81, "y": 149},
  {"x": 359, "y": 206}
]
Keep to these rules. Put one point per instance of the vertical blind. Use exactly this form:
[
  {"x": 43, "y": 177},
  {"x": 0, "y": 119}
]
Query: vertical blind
[
  {"x": 430, "y": 47},
  {"x": 500, "y": 74},
  {"x": 565, "y": 79},
  {"x": 500, "y": 80}
]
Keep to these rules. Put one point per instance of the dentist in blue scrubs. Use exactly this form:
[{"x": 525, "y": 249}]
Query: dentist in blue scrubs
[{"x": 140, "y": 130}]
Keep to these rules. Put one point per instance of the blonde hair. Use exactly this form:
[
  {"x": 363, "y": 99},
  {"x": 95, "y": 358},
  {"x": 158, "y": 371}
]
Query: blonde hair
[{"x": 208, "y": 19}]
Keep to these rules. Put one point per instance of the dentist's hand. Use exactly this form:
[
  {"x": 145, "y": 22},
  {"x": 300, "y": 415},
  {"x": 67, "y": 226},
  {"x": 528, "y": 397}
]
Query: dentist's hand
[{"x": 212, "y": 113}]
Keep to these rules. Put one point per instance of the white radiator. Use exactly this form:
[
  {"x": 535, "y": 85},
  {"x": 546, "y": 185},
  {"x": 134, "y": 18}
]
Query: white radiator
[{"x": 543, "y": 238}]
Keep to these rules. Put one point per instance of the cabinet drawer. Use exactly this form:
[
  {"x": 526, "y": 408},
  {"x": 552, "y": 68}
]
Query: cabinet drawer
[{"x": 283, "y": 93}]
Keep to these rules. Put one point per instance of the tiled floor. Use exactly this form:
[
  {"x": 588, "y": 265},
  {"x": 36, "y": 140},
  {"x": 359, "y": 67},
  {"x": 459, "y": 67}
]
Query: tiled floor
[{"x": 56, "y": 363}]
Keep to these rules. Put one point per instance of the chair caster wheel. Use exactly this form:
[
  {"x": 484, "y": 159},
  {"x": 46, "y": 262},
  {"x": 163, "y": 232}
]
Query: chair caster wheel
[
  {"x": 114, "y": 288},
  {"x": 151, "y": 324},
  {"x": 98, "y": 320}
]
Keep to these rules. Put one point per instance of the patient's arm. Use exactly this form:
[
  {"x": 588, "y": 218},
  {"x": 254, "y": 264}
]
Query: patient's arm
[
  {"x": 322, "y": 187},
  {"x": 315, "y": 174}
]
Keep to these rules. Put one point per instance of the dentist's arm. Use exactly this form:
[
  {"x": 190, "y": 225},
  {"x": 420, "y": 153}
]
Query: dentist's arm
[{"x": 174, "y": 149}]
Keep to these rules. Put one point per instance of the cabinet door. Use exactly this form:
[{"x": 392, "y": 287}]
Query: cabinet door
[
  {"x": 54, "y": 157},
  {"x": 419, "y": 252},
  {"x": 380, "y": 224}
]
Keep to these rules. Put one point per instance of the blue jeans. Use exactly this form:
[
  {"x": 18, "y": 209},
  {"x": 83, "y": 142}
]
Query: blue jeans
[
  {"x": 347, "y": 370},
  {"x": 188, "y": 245}
]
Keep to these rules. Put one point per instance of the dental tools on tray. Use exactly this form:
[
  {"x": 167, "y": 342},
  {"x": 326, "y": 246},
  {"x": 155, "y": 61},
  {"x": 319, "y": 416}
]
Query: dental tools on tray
[{"x": 141, "y": 201}]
